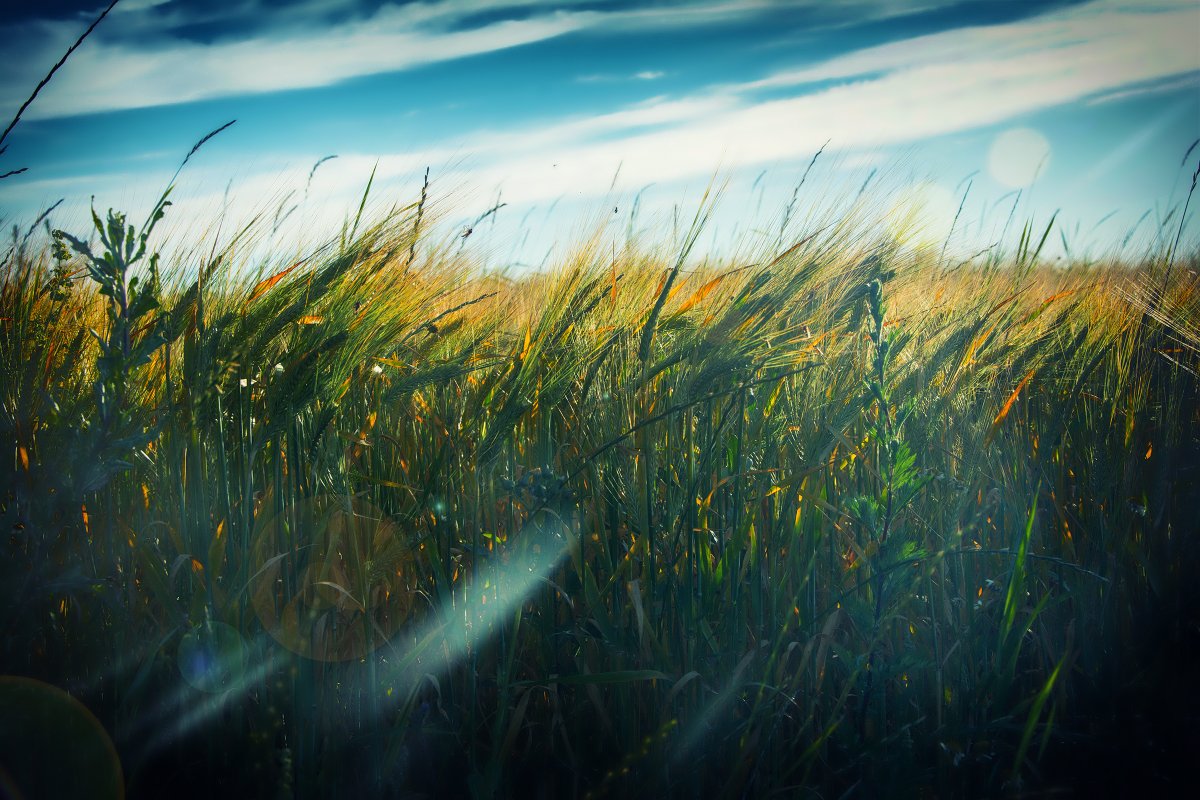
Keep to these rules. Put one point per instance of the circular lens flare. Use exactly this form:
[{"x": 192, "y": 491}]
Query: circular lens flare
[
  {"x": 212, "y": 657},
  {"x": 330, "y": 577},
  {"x": 51, "y": 745},
  {"x": 1018, "y": 156}
]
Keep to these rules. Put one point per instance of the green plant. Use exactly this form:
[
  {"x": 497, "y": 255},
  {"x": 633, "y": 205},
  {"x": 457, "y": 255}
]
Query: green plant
[
  {"x": 375, "y": 523},
  {"x": 134, "y": 332}
]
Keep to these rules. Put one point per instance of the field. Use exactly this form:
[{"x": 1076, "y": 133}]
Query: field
[{"x": 838, "y": 519}]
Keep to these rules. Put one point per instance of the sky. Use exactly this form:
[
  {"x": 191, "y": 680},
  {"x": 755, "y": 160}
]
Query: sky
[{"x": 610, "y": 118}]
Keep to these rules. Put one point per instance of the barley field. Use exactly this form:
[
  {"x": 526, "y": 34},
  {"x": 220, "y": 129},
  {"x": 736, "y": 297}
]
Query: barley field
[{"x": 843, "y": 518}]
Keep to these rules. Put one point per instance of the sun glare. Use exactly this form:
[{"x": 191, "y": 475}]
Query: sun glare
[
  {"x": 922, "y": 214},
  {"x": 1018, "y": 156}
]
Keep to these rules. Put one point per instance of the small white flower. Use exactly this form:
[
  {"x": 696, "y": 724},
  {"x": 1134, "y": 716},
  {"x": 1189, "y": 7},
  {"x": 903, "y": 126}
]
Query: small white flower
[{"x": 378, "y": 370}]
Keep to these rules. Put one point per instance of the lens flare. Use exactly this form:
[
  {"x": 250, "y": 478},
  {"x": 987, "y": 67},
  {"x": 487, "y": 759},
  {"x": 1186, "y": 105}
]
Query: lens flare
[
  {"x": 494, "y": 598},
  {"x": 1017, "y": 157},
  {"x": 329, "y": 583},
  {"x": 212, "y": 657},
  {"x": 52, "y": 746},
  {"x": 922, "y": 214}
]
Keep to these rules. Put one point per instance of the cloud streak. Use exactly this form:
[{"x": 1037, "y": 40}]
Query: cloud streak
[
  {"x": 906, "y": 92},
  {"x": 1117, "y": 40},
  {"x": 118, "y": 76},
  {"x": 117, "y": 71},
  {"x": 302, "y": 49}
]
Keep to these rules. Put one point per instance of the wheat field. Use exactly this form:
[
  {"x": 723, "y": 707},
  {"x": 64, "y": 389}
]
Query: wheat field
[{"x": 843, "y": 518}]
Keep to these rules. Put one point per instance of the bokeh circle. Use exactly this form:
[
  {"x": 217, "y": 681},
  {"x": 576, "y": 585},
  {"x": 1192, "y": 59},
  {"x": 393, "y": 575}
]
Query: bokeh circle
[
  {"x": 329, "y": 581},
  {"x": 51, "y": 745},
  {"x": 212, "y": 657},
  {"x": 1018, "y": 156}
]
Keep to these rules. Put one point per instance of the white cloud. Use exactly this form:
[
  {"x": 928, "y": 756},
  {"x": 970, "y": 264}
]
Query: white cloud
[
  {"x": 131, "y": 6},
  {"x": 1155, "y": 87},
  {"x": 962, "y": 80},
  {"x": 117, "y": 70},
  {"x": 1118, "y": 40},
  {"x": 905, "y": 92},
  {"x": 600, "y": 77},
  {"x": 114, "y": 76}
]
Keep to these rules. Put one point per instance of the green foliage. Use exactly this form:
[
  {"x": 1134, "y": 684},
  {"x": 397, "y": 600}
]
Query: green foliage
[
  {"x": 370, "y": 523},
  {"x": 133, "y": 333}
]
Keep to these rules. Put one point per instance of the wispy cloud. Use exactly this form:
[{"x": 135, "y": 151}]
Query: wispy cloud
[
  {"x": 644, "y": 75},
  {"x": 147, "y": 55},
  {"x": 906, "y": 92},
  {"x": 1115, "y": 40},
  {"x": 302, "y": 49},
  {"x": 111, "y": 76},
  {"x": 1153, "y": 87},
  {"x": 133, "y": 6}
]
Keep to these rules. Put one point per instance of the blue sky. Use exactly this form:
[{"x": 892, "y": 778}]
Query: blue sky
[{"x": 565, "y": 111}]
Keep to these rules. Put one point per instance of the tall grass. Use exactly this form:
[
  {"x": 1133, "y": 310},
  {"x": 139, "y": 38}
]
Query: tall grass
[{"x": 833, "y": 521}]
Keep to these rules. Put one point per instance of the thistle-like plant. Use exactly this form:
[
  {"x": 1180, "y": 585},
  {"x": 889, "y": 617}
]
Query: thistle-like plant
[
  {"x": 899, "y": 481},
  {"x": 135, "y": 328},
  {"x": 897, "y": 478},
  {"x": 134, "y": 331}
]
